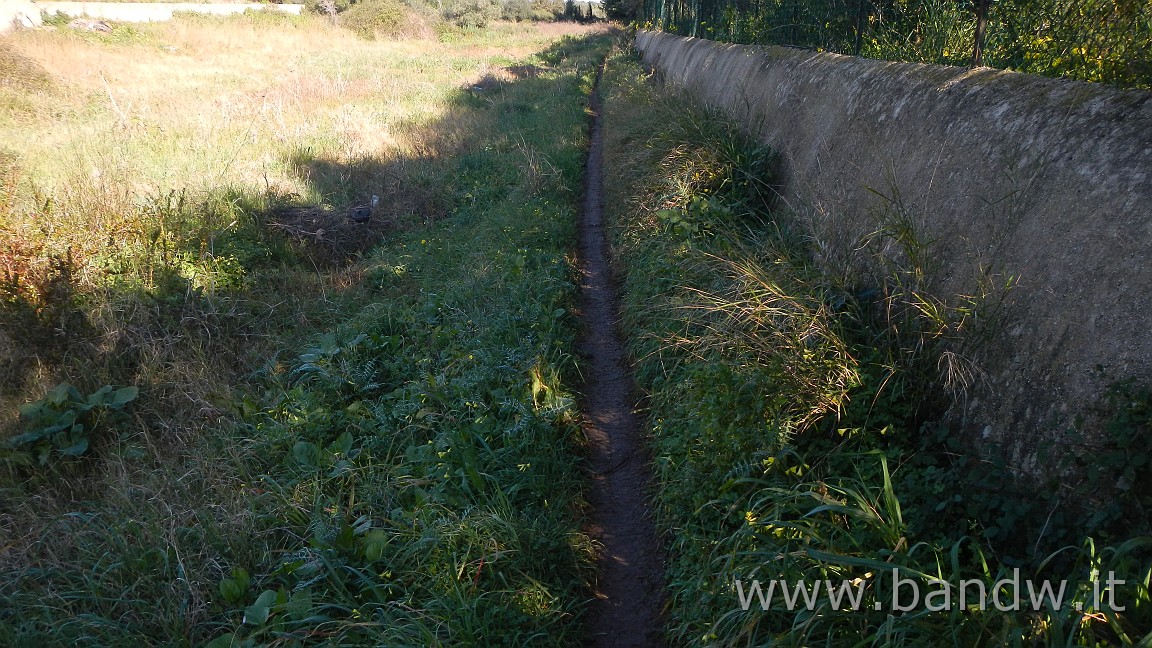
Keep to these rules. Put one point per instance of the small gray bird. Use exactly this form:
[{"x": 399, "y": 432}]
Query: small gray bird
[{"x": 363, "y": 213}]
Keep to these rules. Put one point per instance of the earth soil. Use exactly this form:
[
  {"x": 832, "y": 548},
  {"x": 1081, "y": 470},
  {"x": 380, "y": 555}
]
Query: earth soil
[{"x": 629, "y": 590}]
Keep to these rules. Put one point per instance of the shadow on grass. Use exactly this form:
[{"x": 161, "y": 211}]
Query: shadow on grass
[
  {"x": 200, "y": 276},
  {"x": 216, "y": 297},
  {"x": 486, "y": 144}
]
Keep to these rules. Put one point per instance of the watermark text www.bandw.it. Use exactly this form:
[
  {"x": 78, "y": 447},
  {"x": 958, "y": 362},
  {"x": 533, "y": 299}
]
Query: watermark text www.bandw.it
[{"x": 934, "y": 595}]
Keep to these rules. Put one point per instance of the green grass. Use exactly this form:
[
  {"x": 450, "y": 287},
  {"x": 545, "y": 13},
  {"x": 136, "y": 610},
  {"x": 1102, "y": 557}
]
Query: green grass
[
  {"x": 332, "y": 444},
  {"x": 796, "y": 401}
]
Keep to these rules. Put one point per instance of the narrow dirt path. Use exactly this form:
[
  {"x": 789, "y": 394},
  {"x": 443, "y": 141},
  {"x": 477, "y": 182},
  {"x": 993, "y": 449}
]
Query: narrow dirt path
[{"x": 630, "y": 592}]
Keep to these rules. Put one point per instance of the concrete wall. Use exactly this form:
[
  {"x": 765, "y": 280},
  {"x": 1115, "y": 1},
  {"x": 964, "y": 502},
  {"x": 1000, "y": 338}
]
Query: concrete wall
[
  {"x": 15, "y": 14},
  {"x": 129, "y": 11},
  {"x": 1047, "y": 180}
]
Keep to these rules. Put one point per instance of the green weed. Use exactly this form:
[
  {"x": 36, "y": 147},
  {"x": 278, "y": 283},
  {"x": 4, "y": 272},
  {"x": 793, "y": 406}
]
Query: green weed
[
  {"x": 333, "y": 444},
  {"x": 64, "y": 420},
  {"x": 795, "y": 400}
]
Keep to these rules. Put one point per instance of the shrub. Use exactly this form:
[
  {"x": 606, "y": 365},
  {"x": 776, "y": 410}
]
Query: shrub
[
  {"x": 55, "y": 19},
  {"x": 583, "y": 11},
  {"x": 472, "y": 14},
  {"x": 64, "y": 419},
  {"x": 547, "y": 9},
  {"x": 623, "y": 10},
  {"x": 536, "y": 10},
  {"x": 517, "y": 10},
  {"x": 376, "y": 18}
]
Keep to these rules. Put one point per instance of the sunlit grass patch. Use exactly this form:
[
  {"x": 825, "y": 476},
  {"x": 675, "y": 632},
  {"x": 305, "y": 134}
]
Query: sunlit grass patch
[{"x": 355, "y": 430}]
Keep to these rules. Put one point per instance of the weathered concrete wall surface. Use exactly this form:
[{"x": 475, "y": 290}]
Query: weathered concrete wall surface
[
  {"x": 145, "y": 11},
  {"x": 1044, "y": 179},
  {"x": 15, "y": 14}
]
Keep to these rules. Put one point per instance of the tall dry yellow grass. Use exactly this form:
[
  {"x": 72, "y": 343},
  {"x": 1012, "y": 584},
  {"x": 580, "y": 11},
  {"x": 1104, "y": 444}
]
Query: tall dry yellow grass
[{"x": 118, "y": 126}]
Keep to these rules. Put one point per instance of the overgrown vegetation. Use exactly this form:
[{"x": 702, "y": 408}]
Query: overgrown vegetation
[
  {"x": 421, "y": 18},
  {"x": 1107, "y": 41},
  {"x": 64, "y": 420},
  {"x": 277, "y": 433},
  {"x": 796, "y": 399},
  {"x": 384, "y": 18}
]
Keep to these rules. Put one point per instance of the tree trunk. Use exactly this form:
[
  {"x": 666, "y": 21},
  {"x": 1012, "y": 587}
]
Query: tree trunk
[
  {"x": 861, "y": 19},
  {"x": 981, "y": 26}
]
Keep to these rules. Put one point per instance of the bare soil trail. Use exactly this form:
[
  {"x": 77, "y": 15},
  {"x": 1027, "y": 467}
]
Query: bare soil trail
[{"x": 630, "y": 589}]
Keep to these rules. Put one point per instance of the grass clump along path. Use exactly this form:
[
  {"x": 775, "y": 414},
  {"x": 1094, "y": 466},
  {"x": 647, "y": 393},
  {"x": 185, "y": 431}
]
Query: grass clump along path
[
  {"x": 326, "y": 443},
  {"x": 796, "y": 390}
]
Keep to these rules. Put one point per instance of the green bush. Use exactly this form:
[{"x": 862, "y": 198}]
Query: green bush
[
  {"x": 472, "y": 14},
  {"x": 56, "y": 18},
  {"x": 63, "y": 421},
  {"x": 516, "y": 10},
  {"x": 547, "y": 10},
  {"x": 537, "y": 10},
  {"x": 376, "y": 18}
]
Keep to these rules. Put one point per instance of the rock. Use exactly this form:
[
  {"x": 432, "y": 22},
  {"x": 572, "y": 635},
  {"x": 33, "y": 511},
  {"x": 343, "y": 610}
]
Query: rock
[{"x": 88, "y": 24}]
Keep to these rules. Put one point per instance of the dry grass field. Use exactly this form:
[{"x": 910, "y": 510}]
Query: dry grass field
[
  {"x": 110, "y": 141},
  {"x": 174, "y": 203}
]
